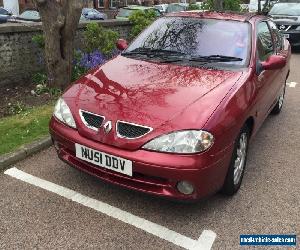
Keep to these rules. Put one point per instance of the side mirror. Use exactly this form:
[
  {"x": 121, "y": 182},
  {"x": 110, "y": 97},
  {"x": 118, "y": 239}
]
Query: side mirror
[
  {"x": 274, "y": 62},
  {"x": 122, "y": 44}
]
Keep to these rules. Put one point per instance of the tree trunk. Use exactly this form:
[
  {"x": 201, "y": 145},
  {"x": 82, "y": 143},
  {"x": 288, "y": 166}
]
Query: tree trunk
[
  {"x": 218, "y": 5},
  {"x": 60, "y": 20},
  {"x": 95, "y": 4},
  {"x": 259, "y": 6}
]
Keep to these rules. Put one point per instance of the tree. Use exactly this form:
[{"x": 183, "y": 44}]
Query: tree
[{"x": 60, "y": 19}]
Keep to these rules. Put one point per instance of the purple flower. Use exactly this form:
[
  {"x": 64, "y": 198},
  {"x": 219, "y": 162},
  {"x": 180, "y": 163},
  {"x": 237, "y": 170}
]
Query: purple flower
[{"x": 92, "y": 60}]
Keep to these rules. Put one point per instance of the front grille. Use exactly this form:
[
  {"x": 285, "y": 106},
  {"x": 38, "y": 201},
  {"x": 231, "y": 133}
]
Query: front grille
[
  {"x": 91, "y": 120},
  {"x": 285, "y": 17},
  {"x": 131, "y": 131}
]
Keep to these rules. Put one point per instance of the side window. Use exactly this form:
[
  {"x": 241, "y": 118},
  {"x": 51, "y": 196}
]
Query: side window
[
  {"x": 264, "y": 41},
  {"x": 277, "y": 36}
]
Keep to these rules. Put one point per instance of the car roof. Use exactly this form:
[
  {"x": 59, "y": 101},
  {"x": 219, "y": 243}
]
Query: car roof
[{"x": 242, "y": 17}]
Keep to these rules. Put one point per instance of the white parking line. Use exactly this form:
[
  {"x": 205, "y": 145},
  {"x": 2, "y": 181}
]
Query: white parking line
[
  {"x": 204, "y": 242},
  {"x": 292, "y": 84}
]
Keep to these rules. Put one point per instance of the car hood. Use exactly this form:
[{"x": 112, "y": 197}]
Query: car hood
[{"x": 151, "y": 94}]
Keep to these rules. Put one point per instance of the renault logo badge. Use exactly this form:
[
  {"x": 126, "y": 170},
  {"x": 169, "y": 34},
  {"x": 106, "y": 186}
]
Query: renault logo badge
[
  {"x": 107, "y": 127},
  {"x": 282, "y": 27}
]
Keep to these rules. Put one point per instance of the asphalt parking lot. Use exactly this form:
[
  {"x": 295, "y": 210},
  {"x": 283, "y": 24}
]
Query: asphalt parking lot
[{"x": 35, "y": 214}]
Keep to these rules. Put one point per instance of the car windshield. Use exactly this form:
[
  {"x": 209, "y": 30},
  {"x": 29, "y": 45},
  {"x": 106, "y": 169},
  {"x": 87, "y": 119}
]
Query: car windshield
[
  {"x": 33, "y": 15},
  {"x": 125, "y": 12},
  {"x": 195, "y": 38},
  {"x": 288, "y": 9}
]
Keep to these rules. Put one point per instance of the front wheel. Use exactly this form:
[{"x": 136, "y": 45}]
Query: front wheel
[
  {"x": 236, "y": 169},
  {"x": 278, "y": 106}
]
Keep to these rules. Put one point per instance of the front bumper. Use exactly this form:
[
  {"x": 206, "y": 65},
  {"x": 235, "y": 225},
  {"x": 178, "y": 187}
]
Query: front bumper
[{"x": 153, "y": 173}]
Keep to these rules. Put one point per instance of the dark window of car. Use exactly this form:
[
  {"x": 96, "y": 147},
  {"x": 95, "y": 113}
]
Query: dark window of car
[
  {"x": 277, "y": 36},
  {"x": 287, "y": 9},
  {"x": 3, "y": 12},
  {"x": 264, "y": 41},
  {"x": 30, "y": 15},
  {"x": 197, "y": 37}
]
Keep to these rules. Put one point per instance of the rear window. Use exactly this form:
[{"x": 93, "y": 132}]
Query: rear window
[{"x": 33, "y": 15}]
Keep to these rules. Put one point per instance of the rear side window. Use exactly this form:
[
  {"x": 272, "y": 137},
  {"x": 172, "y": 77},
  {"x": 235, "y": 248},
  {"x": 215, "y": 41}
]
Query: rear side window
[
  {"x": 277, "y": 36},
  {"x": 264, "y": 41}
]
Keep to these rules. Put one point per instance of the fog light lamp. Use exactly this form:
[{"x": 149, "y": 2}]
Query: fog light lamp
[{"x": 185, "y": 187}]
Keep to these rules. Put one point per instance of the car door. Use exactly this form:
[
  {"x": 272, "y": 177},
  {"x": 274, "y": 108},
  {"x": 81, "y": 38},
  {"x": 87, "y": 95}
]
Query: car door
[{"x": 266, "y": 81}]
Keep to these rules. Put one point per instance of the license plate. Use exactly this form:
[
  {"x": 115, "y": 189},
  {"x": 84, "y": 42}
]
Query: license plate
[
  {"x": 286, "y": 35},
  {"x": 104, "y": 160}
]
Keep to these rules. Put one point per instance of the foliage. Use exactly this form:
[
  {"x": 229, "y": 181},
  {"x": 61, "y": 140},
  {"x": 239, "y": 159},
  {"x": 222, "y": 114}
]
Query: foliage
[
  {"x": 40, "y": 79},
  {"x": 140, "y": 20},
  {"x": 208, "y": 5},
  {"x": 16, "y": 108},
  {"x": 98, "y": 38},
  {"x": 24, "y": 128},
  {"x": 233, "y": 5},
  {"x": 194, "y": 6},
  {"x": 229, "y": 5},
  {"x": 78, "y": 70},
  {"x": 39, "y": 40},
  {"x": 92, "y": 60}
]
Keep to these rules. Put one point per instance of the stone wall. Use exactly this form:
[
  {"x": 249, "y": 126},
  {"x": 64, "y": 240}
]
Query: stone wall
[{"x": 20, "y": 58}]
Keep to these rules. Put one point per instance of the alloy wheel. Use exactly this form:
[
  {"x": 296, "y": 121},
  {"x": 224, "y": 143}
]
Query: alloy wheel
[{"x": 240, "y": 160}]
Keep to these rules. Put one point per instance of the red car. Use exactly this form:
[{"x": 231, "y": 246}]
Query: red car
[{"x": 173, "y": 114}]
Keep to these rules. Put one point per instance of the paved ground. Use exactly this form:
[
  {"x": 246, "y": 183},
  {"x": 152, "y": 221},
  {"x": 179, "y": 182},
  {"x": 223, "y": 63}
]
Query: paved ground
[{"x": 268, "y": 202}]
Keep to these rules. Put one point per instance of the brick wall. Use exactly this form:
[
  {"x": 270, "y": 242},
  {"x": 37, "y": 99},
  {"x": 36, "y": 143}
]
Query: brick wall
[{"x": 20, "y": 58}]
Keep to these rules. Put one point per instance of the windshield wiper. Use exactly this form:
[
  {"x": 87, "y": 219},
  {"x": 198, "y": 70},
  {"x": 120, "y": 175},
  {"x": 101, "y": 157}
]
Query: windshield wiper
[
  {"x": 152, "y": 52},
  {"x": 219, "y": 58},
  {"x": 203, "y": 59}
]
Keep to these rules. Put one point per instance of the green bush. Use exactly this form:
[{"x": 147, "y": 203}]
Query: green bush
[
  {"x": 98, "y": 38},
  {"x": 231, "y": 5},
  {"x": 194, "y": 6},
  {"x": 140, "y": 20},
  {"x": 39, "y": 40}
]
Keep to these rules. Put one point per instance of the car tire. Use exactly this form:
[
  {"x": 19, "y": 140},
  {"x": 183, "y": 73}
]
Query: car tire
[
  {"x": 278, "y": 106},
  {"x": 237, "y": 165}
]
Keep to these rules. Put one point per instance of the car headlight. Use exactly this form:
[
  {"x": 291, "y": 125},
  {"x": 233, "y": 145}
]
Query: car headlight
[
  {"x": 182, "y": 142},
  {"x": 298, "y": 28},
  {"x": 62, "y": 112}
]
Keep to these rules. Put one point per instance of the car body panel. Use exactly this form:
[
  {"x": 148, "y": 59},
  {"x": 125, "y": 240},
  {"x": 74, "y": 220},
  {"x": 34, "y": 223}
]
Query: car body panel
[{"x": 122, "y": 86}]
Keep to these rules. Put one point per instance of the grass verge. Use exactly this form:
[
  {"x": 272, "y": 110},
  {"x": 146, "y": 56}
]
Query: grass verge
[{"x": 24, "y": 128}]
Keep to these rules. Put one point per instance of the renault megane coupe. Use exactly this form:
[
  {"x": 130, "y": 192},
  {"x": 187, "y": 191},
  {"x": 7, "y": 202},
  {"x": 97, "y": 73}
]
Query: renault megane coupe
[{"x": 173, "y": 114}]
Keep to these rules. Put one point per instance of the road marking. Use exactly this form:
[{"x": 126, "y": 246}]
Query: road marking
[
  {"x": 292, "y": 84},
  {"x": 204, "y": 242}
]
